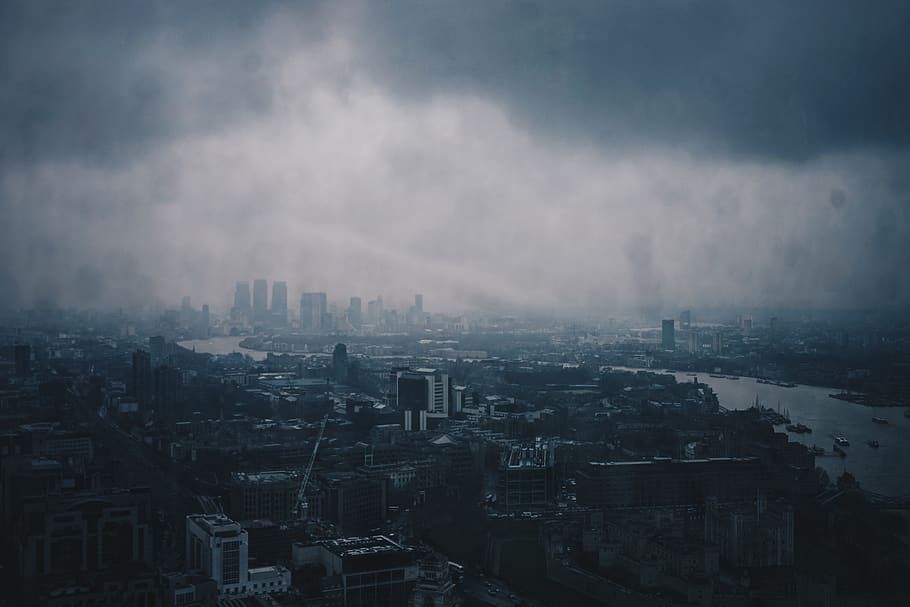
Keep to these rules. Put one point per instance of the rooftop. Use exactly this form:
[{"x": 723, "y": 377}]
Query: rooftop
[
  {"x": 357, "y": 546},
  {"x": 270, "y": 476}
]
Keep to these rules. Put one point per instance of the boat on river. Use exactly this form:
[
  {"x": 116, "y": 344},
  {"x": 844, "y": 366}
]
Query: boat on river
[
  {"x": 872, "y": 443},
  {"x": 879, "y": 420}
]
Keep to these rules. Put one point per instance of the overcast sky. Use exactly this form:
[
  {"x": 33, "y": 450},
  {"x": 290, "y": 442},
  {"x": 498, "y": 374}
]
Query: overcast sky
[{"x": 592, "y": 156}]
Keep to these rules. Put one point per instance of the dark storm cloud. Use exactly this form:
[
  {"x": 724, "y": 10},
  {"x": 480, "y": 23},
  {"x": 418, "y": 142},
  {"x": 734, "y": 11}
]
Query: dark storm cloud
[
  {"x": 583, "y": 155},
  {"x": 780, "y": 79},
  {"x": 74, "y": 82}
]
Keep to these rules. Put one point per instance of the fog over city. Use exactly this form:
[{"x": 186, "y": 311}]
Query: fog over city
[{"x": 588, "y": 156}]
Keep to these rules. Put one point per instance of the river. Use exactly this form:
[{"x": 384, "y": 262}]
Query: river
[
  {"x": 881, "y": 470},
  {"x": 222, "y": 345}
]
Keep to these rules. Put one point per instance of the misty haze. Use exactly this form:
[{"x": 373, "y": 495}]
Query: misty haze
[{"x": 454, "y": 303}]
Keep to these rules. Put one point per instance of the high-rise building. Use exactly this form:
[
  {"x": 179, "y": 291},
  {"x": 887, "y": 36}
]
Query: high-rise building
[
  {"x": 459, "y": 398},
  {"x": 717, "y": 342},
  {"x": 140, "y": 385},
  {"x": 374, "y": 311},
  {"x": 205, "y": 321},
  {"x": 340, "y": 363},
  {"x": 280, "y": 302},
  {"x": 693, "y": 342},
  {"x": 422, "y": 395},
  {"x": 313, "y": 309},
  {"x": 685, "y": 319},
  {"x": 668, "y": 335},
  {"x": 355, "y": 311},
  {"x": 157, "y": 349},
  {"x": 219, "y": 548},
  {"x": 186, "y": 312},
  {"x": 418, "y": 302},
  {"x": 242, "y": 296},
  {"x": 747, "y": 325},
  {"x": 260, "y": 299}
]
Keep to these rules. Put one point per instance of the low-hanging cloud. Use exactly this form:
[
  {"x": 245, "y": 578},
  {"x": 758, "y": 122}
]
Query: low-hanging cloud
[{"x": 285, "y": 145}]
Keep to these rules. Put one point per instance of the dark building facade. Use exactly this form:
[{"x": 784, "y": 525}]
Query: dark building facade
[
  {"x": 668, "y": 335},
  {"x": 669, "y": 482}
]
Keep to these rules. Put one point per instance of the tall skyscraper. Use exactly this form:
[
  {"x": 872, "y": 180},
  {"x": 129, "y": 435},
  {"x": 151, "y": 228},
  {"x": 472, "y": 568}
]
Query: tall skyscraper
[
  {"x": 205, "y": 321},
  {"x": 313, "y": 309},
  {"x": 340, "y": 363},
  {"x": 418, "y": 302},
  {"x": 685, "y": 319},
  {"x": 668, "y": 335},
  {"x": 280, "y": 302},
  {"x": 242, "y": 295},
  {"x": 355, "y": 311},
  {"x": 374, "y": 311},
  {"x": 260, "y": 299}
]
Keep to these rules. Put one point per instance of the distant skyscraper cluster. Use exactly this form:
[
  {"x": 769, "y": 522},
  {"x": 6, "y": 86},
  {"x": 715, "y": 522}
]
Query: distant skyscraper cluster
[
  {"x": 255, "y": 309},
  {"x": 316, "y": 314}
]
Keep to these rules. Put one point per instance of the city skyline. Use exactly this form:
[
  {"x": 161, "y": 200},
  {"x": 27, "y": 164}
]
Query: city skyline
[
  {"x": 696, "y": 156},
  {"x": 599, "y": 303}
]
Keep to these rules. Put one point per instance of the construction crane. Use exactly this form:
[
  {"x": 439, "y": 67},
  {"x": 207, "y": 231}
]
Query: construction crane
[{"x": 302, "y": 506}]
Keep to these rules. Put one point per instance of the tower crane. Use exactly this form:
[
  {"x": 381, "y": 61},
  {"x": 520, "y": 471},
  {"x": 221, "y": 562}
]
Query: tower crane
[{"x": 302, "y": 506}]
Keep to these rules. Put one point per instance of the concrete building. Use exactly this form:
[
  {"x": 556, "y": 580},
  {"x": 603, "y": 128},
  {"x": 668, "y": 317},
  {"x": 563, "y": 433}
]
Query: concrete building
[
  {"x": 422, "y": 395},
  {"x": 267, "y": 495},
  {"x": 527, "y": 477},
  {"x": 355, "y": 311},
  {"x": 260, "y": 299},
  {"x": 353, "y": 502},
  {"x": 62, "y": 535},
  {"x": 218, "y": 548},
  {"x": 717, "y": 343},
  {"x": 279, "y": 308},
  {"x": 242, "y": 296},
  {"x": 313, "y": 310},
  {"x": 667, "y": 334},
  {"x": 372, "y": 570},
  {"x": 693, "y": 342}
]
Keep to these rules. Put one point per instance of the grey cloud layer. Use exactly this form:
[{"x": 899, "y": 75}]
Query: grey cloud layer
[{"x": 499, "y": 157}]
